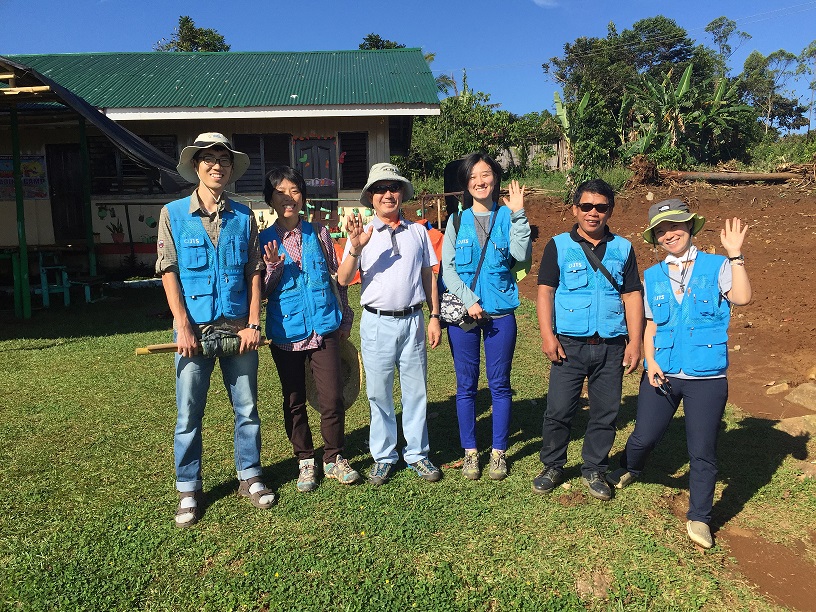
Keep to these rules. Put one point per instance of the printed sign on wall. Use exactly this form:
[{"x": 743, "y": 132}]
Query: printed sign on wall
[{"x": 35, "y": 181}]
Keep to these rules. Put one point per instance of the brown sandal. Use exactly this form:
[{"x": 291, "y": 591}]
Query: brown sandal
[
  {"x": 195, "y": 511},
  {"x": 255, "y": 498}
]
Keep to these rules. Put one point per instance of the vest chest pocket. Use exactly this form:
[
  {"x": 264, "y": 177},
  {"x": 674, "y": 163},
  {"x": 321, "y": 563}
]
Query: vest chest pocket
[
  {"x": 575, "y": 276},
  {"x": 193, "y": 256},
  {"x": 236, "y": 254},
  {"x": 704, "y": 306},
  {"x": 464, "y": 256},
  {"x": 660, "y": 311}
]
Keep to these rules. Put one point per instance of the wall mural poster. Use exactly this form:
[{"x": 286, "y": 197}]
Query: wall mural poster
[{"x": 35, "y": 181}]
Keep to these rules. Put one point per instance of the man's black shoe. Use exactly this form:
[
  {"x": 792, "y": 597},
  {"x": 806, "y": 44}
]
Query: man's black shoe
[
  {"x": 598, "y": 487},
  {"x": 547, "y": 480}
]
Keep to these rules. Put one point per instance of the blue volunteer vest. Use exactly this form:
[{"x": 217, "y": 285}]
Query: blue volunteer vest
[
  {"x": 303, "y": 300},
  {"x": 496, "y": 286},
  {"x": 212, "y": 278},
  {"x": 585, "y": 301},
  {"x": 691, "y": 336}
]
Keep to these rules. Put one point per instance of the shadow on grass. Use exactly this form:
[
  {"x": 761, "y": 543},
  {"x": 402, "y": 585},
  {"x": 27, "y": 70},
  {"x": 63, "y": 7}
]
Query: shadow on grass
[
  {"x": 124, "y": 311},
  {"x": 748, "y": 457}
]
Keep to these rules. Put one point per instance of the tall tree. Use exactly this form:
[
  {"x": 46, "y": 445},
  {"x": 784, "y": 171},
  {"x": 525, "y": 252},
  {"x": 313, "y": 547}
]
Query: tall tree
[
  {"x": 763, "y": 82},
  {"x": 807, "y": 65},
  {"x": 724, "y": 31},
  {"x": 187, "y": 37}
]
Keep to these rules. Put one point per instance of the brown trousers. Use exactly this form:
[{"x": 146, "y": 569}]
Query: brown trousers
[{"x": 326, "y": 372}]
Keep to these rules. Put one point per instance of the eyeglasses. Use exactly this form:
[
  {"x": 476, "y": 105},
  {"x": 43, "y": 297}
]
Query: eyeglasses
[
  {"x": 587, "y": 206},
  {"x": 393, "y": 188},
  {"x": 211, "y": 160}
]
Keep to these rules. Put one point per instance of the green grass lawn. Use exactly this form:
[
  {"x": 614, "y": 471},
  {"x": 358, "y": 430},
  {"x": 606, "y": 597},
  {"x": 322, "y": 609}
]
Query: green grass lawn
[{"x": 86, "y": 522}]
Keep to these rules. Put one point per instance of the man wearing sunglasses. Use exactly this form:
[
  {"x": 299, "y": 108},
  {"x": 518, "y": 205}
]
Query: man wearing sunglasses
[
  {"x": 396, "y": 260},
  {"x": 590, "y": 314}
]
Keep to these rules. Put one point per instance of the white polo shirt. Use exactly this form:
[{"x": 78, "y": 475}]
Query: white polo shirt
[{"x": 390, "y": 268}]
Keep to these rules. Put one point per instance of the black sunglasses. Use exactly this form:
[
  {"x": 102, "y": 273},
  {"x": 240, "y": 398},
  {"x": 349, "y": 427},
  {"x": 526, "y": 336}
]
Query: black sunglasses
[
  {"x": 601, "y": 208},
  {"x": 664, "y": 388},
  {"x": 392, "y": 187}
]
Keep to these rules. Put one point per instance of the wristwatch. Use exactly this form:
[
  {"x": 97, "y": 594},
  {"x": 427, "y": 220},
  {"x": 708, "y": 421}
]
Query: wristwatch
[
  {"x": 434, "y": 316},
  {"x": 739, "y": 257},
  {"x": 253, "y": 326}
]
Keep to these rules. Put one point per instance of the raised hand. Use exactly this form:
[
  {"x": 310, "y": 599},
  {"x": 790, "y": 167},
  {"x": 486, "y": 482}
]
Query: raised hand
[
  {"x": 355, "y": 233},
  {"x": 732, "y": 236},
  {"x": 271, "y": 255},
  {"x": 516, "y": 200}
]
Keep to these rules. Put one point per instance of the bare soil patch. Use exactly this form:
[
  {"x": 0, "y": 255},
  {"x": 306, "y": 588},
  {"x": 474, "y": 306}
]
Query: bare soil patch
[{"x": 771, "y": 339}]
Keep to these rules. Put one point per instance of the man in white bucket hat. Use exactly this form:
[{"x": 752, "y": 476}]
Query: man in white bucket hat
[
  {"x": 395, "y": 258},
  {"x": 209, "y": 261}
]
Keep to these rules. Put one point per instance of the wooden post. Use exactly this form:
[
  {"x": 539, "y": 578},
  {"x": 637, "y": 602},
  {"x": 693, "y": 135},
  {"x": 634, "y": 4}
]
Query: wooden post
[
  {"x": 25, "y": 287},
  {"x": 86, "y": 196}
]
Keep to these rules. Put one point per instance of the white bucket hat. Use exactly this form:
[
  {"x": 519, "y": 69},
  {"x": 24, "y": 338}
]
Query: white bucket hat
[
  {"x": 385, "y": 172},
  {"x": 240, "y": 161}
]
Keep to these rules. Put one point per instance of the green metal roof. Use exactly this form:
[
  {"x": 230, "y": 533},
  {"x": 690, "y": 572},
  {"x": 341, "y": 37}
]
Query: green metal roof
[{"x": 241, "y": 79}]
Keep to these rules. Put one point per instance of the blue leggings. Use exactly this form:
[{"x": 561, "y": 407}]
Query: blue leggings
[
  {"x": 703, "y": 405},
  {"x": 499, "y": 345}
]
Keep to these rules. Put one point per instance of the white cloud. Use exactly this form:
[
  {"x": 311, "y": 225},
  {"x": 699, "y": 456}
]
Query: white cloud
[{"x": 546, "y": 3}]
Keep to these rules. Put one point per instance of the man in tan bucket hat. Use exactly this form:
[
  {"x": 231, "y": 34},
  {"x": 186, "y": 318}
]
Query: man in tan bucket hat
[{"x": 209, "y": 261}]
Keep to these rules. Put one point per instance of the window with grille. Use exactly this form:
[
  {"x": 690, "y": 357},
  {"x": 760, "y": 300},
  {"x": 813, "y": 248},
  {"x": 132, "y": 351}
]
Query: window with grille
[
  {"x": 113, "y": 172},
  {"x": 353, "y": 159},
  {"x": 265, "y": 151}
]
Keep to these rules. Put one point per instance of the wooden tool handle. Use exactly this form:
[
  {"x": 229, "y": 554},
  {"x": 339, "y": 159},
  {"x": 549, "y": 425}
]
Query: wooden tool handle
[{"x": 172, "y": 347}]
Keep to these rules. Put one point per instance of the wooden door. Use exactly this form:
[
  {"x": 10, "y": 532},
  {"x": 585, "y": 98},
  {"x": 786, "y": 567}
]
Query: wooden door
[
  {"x": 65, "y": 186},
  {"x": 316, "y": 160}
]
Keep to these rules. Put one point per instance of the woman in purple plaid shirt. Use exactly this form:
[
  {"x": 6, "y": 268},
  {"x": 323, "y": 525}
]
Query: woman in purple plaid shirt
[{"x": 306, "y": 324}]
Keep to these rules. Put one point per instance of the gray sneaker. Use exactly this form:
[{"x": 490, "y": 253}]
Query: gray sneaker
[
  {"x": 340, "y": 470},
  {"x": 426, "y": 470},
  {"x": 470, "y": 466},
  {"x": 699, "y": 533},
  {"x": 307, "y": 477},
  {"x": 380, "y": 473},
  {"x": 498, "y": 466},
  {"x": 621, "y": 478}
]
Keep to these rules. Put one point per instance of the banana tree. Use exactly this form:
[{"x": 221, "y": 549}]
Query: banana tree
[
  {"x": 659, "y": 111},
  {"x": 566, "y": 126}
]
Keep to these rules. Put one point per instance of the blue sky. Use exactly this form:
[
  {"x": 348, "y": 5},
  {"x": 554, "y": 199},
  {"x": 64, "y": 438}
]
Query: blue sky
[{"x": 502, "y": 44}]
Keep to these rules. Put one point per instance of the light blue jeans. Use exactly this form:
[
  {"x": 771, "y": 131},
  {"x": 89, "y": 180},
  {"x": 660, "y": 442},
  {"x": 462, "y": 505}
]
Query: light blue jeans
[
  {"x": 386, "y": 343},
  {"x": 240, "y": 373}
]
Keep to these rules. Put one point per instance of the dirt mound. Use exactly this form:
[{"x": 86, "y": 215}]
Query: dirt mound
[{"x": 644, "y": 172}]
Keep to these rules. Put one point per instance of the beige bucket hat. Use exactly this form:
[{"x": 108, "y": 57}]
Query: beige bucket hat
[
  {"x": 385, "y": 172},
  {"x": 240, "y": 161}
]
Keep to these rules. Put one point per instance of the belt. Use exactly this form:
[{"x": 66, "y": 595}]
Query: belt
[
  {"x": 395, "y": 313},
  {"x": 596, "y": 339}
]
